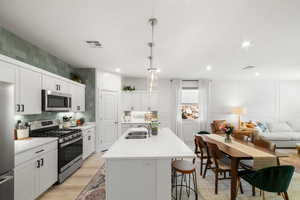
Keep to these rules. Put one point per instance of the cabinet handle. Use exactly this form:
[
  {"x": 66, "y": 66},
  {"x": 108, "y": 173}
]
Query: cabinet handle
[
  {"x": 39, "y": 164},
  {"x": 40, "y": 151},
  {"x": 23, "y": 108},
  {"x": 89, "y": 137},
  {"x": 18, "y": 107},
  {"x": 59, "y": 87},
  {"x": 42, "y": 162},
  {"x": 56, "y": 87}
]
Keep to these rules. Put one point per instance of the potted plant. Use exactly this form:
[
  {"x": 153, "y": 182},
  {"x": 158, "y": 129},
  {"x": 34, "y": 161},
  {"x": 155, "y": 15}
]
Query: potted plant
[
  {"x": 228, "y": 130},
  {"x": 154, "y": 127}
]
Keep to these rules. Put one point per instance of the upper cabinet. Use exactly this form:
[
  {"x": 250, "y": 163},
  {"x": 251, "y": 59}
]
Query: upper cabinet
[
  {"x": 56, "y": 84},
  {"x": 78, "y": 98},
  {"x": 28, "y": 91},
  {"x": 139, "y": 101}
]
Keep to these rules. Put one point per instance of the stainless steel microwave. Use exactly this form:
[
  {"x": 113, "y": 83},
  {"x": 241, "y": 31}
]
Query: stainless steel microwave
[{"x": 56, "y": 101}]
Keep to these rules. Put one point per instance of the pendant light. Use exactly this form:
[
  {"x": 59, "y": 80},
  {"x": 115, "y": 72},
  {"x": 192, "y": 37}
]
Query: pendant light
[{"x": 152, "y": 77}]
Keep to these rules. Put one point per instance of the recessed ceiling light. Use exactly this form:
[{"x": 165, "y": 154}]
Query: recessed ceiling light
[
  {"x": 246, "y": 44},
  {"x": 117, "y": 69},
  {"x": 208, "y": 67},
  {"x": 257, "y": 74}
]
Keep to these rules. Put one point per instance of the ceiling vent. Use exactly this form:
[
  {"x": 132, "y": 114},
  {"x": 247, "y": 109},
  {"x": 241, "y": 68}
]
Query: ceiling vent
[
  {"x": 248, "y": 67},
  {"x": 94, "y": 44}
]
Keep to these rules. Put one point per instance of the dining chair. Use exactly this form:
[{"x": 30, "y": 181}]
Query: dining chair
[
  {"x": 271, "y": 179},
  {"x": 263, "y": 143},
  {"x": 201, "y": 152},
  {"x": 221, "y": 165}
]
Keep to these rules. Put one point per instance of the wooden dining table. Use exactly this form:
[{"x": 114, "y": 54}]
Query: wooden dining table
[{"x": 236, "y": 155}]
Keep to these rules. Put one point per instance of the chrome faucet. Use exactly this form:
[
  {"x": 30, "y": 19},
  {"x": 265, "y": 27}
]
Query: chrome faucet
[{"x": 147, "y": 127}]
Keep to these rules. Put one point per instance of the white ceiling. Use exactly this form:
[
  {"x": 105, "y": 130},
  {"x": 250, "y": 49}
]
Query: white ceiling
[{"x": 190, "y": 35}]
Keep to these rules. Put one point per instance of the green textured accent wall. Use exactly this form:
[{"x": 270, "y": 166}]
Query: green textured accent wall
[
  {"x": 88, "y": 76},
  {"x": 15, "y": 47}
]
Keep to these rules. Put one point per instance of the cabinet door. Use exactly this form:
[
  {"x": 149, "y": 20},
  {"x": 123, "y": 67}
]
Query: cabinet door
[
  {"x": 48, "y": 170},
  {"x": 29, "y": 91},
  {"x": 25, "y": 183},
  {"x": 50, "y": 83},
  {"x": 136, "y": 101},
  {"x": 145, "y": 101},
  {"x": 154, "y": 101},
  {"x": 82, "y": 99},
  {"x": 85, "y": 146},
  {"x": 126, "y": 101}
]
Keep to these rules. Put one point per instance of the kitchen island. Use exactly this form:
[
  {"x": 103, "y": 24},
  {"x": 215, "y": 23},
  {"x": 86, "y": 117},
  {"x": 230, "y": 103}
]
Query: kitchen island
[{"x": 141, "y": 168}]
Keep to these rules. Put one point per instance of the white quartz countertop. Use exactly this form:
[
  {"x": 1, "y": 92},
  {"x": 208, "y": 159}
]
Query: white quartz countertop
[
  {"x": 165, "y": 145},
  {"x": 25, "y": 145},
  {"x": 86, "y": 125},
  {"x": 135, "y": 121}
]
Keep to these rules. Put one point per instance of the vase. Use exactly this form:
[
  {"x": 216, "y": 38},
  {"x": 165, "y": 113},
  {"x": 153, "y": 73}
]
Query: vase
[
  {"x": 227, "y": 138},
  {"x": 154, "y": 130}
]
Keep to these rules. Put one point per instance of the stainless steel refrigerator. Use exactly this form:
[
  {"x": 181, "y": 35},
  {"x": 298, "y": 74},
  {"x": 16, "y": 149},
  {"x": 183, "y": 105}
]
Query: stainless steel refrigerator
[{"x": 7, "y": 154}]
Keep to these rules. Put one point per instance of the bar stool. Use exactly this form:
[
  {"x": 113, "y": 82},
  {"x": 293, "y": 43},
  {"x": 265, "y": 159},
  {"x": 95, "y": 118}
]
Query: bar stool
[{"x": 185, "y": 169}]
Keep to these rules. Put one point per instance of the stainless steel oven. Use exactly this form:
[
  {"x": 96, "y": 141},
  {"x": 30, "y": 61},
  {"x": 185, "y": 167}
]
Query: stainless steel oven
[
  {"x": 55, "y": 101},
  {"x": 69, "y": 157}
]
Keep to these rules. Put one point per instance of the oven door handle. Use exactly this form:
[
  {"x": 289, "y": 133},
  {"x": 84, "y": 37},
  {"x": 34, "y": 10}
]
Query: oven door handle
[{"x": 71, "y": 142}]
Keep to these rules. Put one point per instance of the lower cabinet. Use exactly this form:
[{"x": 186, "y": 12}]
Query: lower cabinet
[
  {"x": 89, "y": 145},
  {"x": 35, "y": 176}
]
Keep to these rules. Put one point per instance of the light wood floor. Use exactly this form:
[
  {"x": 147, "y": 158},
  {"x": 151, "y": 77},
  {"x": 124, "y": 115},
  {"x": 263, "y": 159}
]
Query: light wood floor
[
  {"x": 293, "y": 159},
  {"x": 72, "y": 187}
]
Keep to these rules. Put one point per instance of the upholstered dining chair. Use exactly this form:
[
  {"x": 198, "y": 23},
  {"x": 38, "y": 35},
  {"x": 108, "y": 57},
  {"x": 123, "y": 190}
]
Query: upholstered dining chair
[
  {"x": 272, "y": 179},
  {"x": 221, "y": 165},
  {"x": 201, "y": 152},
  {"x": 263, "y": 143}
]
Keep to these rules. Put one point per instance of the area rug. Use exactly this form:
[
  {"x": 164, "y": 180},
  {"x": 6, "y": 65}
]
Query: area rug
[
  {"x": 205, "y": 189},
  {"x": 96, "y": 188}
]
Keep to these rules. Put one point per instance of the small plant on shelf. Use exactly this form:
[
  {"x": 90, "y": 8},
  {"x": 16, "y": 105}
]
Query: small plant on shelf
[
  {"x": 154, "y": 127},
  {"x": 128, "y": 88}
]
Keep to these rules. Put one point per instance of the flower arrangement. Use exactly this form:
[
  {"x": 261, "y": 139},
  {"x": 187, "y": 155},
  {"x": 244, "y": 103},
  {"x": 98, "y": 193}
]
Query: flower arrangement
[{"x": 228, "y": 129}]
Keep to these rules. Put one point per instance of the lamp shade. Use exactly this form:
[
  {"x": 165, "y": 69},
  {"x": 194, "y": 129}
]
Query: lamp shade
[{"x": 239, "y": 110}]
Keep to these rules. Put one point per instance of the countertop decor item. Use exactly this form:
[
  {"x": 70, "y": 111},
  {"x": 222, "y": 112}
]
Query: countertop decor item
[
  {"x": 228, "y": 130},
  {"x": 154, "y": 127}
]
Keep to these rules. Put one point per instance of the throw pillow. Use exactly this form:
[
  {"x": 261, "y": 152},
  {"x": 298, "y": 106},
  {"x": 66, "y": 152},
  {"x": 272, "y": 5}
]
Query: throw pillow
[{"x": 262, "y": 127}]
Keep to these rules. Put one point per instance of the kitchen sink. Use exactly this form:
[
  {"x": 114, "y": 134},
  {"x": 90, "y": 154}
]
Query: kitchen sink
[
  {"x": 140, "y": 133},
  {"x": 136, "y": 137}
]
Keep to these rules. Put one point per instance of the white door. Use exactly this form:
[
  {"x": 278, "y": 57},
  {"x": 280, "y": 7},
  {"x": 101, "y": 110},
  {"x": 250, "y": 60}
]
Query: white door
[
  {"x": 48, "y": 170},
  {"x": 25, "y": 182},
  {"x": 28, "y": 93},
  {"x": 108, "y": 118}
]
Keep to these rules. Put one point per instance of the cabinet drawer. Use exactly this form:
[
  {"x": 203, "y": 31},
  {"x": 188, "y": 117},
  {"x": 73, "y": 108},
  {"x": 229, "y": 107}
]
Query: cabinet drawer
[{"x": 33, "y": 153}]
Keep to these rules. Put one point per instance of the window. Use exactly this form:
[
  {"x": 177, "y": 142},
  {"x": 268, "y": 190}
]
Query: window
[{"x": 189, "y": 103}]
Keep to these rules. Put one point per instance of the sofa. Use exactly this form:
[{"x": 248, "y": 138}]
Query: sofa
[{"x": 283, "y": 134}]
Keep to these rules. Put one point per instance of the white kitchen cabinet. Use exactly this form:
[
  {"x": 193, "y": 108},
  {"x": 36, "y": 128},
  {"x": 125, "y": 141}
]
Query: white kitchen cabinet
[
  {"x": 7, "y": 72},
  {"x": 35, "y": 171},
  {"x": 48, "y": 170},
  {"x": 26, "y": 177},
  {"x": 28, "y": 92},
  {"x": 139, "y": 101},
  {"x": 89, "y": 143},
  {"x": 55, "y": 84},
  {"x": 78, "y": 98}
]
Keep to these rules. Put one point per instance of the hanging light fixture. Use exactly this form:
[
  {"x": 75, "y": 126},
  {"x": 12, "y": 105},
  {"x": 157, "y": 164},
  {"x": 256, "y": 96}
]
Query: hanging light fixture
[{"x": 152, "y": 78}]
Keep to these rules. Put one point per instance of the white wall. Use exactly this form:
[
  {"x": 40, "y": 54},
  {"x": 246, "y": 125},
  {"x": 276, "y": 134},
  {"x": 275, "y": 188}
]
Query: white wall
[{"x": 264, "y": 100}]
